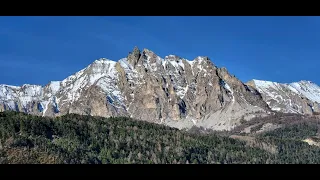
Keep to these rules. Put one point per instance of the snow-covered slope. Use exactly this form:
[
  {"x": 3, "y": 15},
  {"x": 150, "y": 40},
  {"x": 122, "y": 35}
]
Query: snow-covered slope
[
  {"x": 16, "y": 98},
  {"x": 307, "y": 89},
  {"x": 298, "y": 97}
]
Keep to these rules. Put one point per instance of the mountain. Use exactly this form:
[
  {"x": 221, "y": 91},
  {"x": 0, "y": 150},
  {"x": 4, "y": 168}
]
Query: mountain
[
  {"x": 298, "y": 97},
  {"x": 170, "y": 90}
]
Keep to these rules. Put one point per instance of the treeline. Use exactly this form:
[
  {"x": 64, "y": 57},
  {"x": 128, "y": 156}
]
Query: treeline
[
  {"x": 290, "y": 146},
  {"x": 278, "y": 118},
  {"x": 76, "y": 139}
]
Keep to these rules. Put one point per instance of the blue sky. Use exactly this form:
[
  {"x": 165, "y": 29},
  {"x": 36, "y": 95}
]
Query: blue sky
[{"x": 36, "y": 50}]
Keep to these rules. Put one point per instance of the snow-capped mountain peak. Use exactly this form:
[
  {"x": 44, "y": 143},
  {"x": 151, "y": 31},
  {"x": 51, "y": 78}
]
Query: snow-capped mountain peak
[{"x": 298, "y": 97}]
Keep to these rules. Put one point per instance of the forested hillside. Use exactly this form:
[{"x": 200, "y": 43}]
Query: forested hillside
[{"x": 76, "y": 139}]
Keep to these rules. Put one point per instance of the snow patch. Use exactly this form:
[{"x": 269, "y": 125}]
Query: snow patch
[
  {"x": 54, "y": 86},
  {"x": 227, "y": 87},
  {"x": 182, "y": 91}
]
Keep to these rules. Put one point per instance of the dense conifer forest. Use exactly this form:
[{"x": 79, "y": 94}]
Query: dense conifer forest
[{"x": 76, "y": 139}]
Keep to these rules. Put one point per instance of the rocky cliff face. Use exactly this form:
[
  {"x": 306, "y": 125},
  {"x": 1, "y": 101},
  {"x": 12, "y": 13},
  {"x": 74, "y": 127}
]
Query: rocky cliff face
[
  {"x": 299, "y": 97},
  {"x": 170, "y": 90}
]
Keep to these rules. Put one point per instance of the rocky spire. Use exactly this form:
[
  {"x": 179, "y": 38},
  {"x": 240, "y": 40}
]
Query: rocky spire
[{"x": 134, "y": 56}]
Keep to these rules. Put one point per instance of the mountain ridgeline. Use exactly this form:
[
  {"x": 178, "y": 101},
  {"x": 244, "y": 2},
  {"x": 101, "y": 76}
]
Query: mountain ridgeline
[{"x": 172, "y": 90}]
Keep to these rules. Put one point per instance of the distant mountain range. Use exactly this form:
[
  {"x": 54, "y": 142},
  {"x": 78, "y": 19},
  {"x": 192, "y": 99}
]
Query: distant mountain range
[{"x": 170, "y": 90}]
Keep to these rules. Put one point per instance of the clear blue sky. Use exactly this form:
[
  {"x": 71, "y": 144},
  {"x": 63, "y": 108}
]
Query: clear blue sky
[{"x": 36, "y": 50}]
